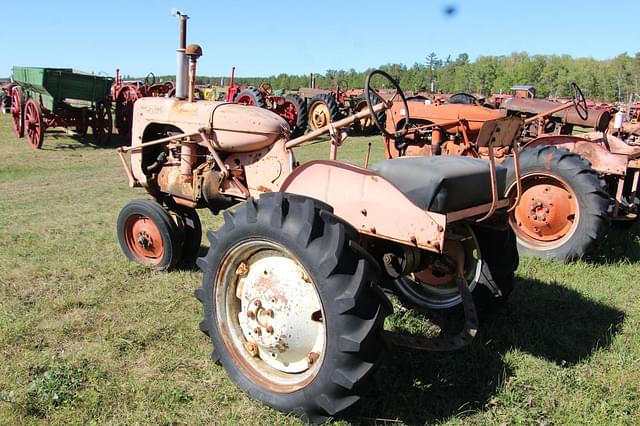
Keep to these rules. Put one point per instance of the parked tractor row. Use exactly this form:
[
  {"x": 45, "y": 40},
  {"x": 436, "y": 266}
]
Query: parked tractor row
[
  {"x": 297, "y": 281},
  {"x": 572, "y": 186}
]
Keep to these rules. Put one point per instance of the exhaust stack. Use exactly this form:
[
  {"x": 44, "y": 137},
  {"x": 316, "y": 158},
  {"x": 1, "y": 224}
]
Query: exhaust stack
[{"x": 182, "y": 83}]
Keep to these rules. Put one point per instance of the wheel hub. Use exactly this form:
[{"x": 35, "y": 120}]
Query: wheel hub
[
  {"x": 547, "y": 211},
  {"x": 280, "y": 315},
  {"x": 143, "y": 238}
]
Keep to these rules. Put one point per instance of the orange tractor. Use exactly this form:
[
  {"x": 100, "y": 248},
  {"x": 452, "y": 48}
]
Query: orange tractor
[
  {"x": 292, "y": 281},
  {"x": 572, "y": 186}
]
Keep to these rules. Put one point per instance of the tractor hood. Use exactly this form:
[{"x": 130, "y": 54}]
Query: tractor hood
[{"x": 235, "y": 128}]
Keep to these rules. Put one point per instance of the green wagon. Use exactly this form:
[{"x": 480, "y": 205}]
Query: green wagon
[{"x": 60, "y": 97}]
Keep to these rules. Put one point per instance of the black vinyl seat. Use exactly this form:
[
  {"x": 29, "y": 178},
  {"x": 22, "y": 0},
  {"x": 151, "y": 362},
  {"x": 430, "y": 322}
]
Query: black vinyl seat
[{"x": 443, "y": 184}]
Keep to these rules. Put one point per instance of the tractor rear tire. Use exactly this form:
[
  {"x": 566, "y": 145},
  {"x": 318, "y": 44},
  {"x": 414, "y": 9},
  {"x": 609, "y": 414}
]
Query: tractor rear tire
[
  {"x": 366, "y": 125},
  {"x": 148, "y": 235},
  {"x": 302, "y": 114},
  {"x": 490, "y": 258},
  {"x": 291, "y": 306},
  {"x": 250, "y": 96},
  {"x": 564, "y": 209},
  {"x": 323, "y": 109}
]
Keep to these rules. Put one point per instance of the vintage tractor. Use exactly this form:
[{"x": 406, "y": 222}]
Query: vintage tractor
[
  {"x": 328, "y": 105},
  {"x": 572, "y": 186},
  {"x": 292, "y": 281},
  {"x": 290, "y": 107},
  {"x": 125, "y": 93}
]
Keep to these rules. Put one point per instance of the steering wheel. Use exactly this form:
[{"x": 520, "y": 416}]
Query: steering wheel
[
  {"x": 150, "y": 79},
  {"x": 266, "y": 87},
  {"x": 579, "y": 102},
  {"x": 370, "y": 93}
]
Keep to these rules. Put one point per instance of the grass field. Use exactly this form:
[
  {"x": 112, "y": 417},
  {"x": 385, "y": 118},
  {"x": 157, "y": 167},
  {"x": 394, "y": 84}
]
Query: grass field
[{"x": 88, "y": 338}]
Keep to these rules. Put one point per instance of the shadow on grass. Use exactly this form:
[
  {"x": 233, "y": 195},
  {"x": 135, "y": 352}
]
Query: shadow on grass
[
  {"x": 621, "y": 244},
  {"x": 545, "y": 320},
  {"x": 60, "y": 138}
]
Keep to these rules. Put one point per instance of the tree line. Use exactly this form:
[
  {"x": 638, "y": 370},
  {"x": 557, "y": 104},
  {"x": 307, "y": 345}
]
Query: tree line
[{"x": 600, "y": 80}]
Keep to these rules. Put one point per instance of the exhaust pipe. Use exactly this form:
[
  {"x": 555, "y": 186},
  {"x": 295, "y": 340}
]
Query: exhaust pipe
[{"x": 182, "y": 83}]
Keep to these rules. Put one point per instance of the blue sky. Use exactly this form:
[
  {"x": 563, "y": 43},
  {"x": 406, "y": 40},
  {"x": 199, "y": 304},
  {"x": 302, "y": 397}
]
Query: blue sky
[{"x": 262, "y": 38}]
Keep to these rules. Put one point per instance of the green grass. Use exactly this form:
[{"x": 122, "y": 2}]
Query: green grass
[{"x": 88, "y": 338}]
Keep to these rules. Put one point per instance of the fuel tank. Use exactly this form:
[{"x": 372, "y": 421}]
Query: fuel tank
[{"x": 234, "y": 127}]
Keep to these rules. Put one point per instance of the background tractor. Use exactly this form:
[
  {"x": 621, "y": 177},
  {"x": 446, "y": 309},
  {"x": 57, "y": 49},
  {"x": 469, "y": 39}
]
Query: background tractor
[
  {"x": 290, "y": 107},
  {"x": 125, "y": 93},
  {"x": 292, "y": 281},
  {"x": 328, "y": 105},
  {"x": 572, "y": 187}
]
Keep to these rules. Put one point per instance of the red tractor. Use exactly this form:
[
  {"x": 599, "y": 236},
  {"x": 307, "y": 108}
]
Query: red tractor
[
  {"x": 125, "y": 93},
  {"x": 290, "y": 107}
]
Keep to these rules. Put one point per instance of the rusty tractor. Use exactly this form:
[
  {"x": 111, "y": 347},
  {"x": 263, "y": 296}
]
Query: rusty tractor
[
  {"x": 328, "y": 105},
  {"x": 290, "y": 107},
  {"x": 60, "y": 97},
  {"x": 292, "y": 281},
  {"x": 125, "y": 93},
  {"x": 572, "y": 187}
]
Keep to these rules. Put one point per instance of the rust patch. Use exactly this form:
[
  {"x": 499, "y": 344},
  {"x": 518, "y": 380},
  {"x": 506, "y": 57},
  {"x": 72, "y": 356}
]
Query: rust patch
[{"x": 548, "y": 162}]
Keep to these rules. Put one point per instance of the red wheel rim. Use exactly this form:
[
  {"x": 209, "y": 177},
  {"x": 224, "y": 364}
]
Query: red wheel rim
[
  {"x": 548, "y": 212},
  {"x": 431, "y": 276},
  {"x": 246, "y": 100},
  {"x": 33, "y": 124},
  {"x": 16, "y": 111},
  {"x": 143, "y": 239},
  {"x": 289, "y": 111}
]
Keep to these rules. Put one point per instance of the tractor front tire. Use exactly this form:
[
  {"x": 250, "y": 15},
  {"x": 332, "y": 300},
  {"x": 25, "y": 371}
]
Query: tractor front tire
[
  {"x": 291, "y": 306},
  {"x": 564, "y": 208},
  {"x": 148, "y": 235},
  {"x": 251, "y": 96},
  {"x": 191, "y": 233},
  {"x": 301, "y": 114}
]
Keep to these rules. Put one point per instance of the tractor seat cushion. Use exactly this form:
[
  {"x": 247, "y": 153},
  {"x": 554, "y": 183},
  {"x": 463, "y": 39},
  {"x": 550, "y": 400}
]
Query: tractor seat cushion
[{"x": 443, "y": 184}]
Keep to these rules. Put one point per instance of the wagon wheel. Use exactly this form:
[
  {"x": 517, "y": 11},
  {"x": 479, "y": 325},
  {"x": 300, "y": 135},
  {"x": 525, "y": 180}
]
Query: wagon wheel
[
  {"x": 82, "y": 123},
  {"x": 33, "y": 124},
  {"x": 102, "y": 124},
  {"x": 17, "y": 111}
]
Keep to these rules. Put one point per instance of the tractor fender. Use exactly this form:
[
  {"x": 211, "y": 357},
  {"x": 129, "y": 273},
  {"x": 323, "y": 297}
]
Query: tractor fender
[
  {"x": 601, "y": 159},
  {"x": 370, "y": 203}
]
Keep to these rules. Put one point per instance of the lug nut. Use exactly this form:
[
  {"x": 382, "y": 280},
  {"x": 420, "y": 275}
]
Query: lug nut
[
  {"x": 257, "y": 331},
  {"x": 252, "y": 348},
  {"x": 251, "y": 314},
  {"x": 312, "y": 357},
  {"x": 269, "y": 329},
  {"x": 242, "y": 269},
  {"x": 269, "y": 312},
  {"x": 257, "y": 303}
]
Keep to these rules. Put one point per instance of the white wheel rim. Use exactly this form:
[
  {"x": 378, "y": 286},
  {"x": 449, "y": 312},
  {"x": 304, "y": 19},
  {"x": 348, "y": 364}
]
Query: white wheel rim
[{"x": 270, "y": 314}]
